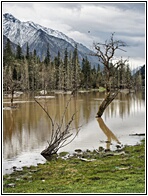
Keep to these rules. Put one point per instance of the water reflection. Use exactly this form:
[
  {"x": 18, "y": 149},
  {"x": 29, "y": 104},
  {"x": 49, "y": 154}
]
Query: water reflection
[
  {"x": 110, "y": 135},
  {"x": 27, "y": 128},
  {"x": 125, "y": 104}
]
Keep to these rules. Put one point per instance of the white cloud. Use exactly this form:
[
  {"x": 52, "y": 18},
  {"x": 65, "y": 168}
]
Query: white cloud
[
  {"x": 136, "y": 62},
  {"x": 89, "y": 22}
]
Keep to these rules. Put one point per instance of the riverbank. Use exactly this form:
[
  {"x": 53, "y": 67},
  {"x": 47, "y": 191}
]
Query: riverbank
[{"x": 122, "y": 171}]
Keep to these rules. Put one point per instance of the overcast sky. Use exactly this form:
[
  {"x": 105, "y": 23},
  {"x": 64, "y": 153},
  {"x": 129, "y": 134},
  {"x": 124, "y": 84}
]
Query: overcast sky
[{"x": 90, "y": 22}]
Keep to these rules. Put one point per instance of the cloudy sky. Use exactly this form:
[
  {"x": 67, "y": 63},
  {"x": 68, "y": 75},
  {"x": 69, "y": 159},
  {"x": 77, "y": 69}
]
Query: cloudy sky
[{"x": 90, "y": 22}]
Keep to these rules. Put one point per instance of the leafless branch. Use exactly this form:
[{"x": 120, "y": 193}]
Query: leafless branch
[
  {"x": 106, "y": 55},
  {"x": 58, "y": 137},
  {"x": 45, "y": 112}
]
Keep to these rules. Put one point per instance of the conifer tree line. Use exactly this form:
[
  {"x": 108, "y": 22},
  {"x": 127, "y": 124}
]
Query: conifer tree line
[{"x": 28, "y": 73}]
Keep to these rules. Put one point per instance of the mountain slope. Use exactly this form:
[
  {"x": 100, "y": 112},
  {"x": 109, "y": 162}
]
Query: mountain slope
[
  {"x": 13, "y": 46},
  {"x": 38, "y": 36},
  {"x": 17, "y": 31},
  {"x": 141, "y": 71},
  {"x": 39, "y": 42}
]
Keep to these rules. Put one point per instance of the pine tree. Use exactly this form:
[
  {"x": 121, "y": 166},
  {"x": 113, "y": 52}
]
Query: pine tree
[
  {"x": 11, "y": 71},
  {"x": 33, "y": 71},
  {"x": 51, "y": 79},
  {"x": 86, "y": 71},
  {"x": 99, "y": 79},
  {"x": 61, "y": 78},
  {"x": 27, "y": 51},
  {"x": 93, "y": 77},
  {"x": 57, "y": 62},
  {"x": 8, "y": 55},
  {"x": 65, "y": 71},
  {"x": 137, "y": 80},
  {"x": 8, "y": 61},
  {"x": 14, "y": 74},
  {"x": 128, "y": 77},
  {"x": 19, "y": 54},
  {"x": 47, "y": 58},
  {"x": 76, "y": 70},
  {"x": 70, "y": 71}
]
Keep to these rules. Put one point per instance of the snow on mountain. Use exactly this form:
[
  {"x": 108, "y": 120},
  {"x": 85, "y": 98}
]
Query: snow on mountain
[
  {"x": 54, "y": 33},
  {"x": 25, "y": 30},
  {"x": 18, "y": 32},
  {"x": 38, "y": 36}
]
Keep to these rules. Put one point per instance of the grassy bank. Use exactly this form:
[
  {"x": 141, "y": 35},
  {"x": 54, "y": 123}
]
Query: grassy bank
[{"x": 94, "y": 172}]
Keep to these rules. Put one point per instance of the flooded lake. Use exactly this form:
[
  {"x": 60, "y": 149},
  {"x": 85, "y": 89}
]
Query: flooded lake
[{"x": 27, "y": 128}]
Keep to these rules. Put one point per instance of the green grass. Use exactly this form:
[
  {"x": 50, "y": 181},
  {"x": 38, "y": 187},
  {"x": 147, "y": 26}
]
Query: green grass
[
  {"x": 123, "y": 173},
  {"x": 102, "y": 89}
]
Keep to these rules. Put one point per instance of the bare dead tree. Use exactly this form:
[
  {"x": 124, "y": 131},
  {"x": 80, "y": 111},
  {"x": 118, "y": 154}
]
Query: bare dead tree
[
  {"x": 59, "y": 136},
  {"x": 106, "y": 55},
  {"x": 12, "y": 85}
]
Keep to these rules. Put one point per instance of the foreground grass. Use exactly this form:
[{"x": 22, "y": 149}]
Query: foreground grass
[{"x": 107, "y": 173}]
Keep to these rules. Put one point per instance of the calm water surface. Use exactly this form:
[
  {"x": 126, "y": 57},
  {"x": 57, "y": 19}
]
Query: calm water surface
[{"x": 27, "y": 128}]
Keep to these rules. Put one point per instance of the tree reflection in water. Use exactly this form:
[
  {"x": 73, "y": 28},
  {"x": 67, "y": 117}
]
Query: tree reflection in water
[{"x": 110, "y": 135}]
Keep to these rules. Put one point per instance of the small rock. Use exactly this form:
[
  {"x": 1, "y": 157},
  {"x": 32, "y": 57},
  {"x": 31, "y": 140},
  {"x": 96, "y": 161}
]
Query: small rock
[
  {"x": 18, "y": 179},
  {"x": 11, "y": 185},
  {"x": 87, "y": 160},
  {"x": 14, "y": 168},
  {"x": 88, "y": 150},
  {"x": 118, "y": 146},
  {"x": 78, "y": 150},
  {"x": 101, "y": 148},
  {"x": 34, "y": 170},
  {"x": 43, "y": 92},
  {"x": 107, "y": 150},
  {"x": 120, "y": 153}
]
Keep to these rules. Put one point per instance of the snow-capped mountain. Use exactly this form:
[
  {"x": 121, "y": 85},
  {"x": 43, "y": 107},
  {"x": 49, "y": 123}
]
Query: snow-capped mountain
[
  {"x": 25, "y": 30},
  {"x": 38, "y": 36},
  {"x": 17, "y": 31}
]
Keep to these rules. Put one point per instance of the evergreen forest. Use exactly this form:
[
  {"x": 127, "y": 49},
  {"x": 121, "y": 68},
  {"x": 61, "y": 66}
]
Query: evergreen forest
[{"x": 26, "y": 72}]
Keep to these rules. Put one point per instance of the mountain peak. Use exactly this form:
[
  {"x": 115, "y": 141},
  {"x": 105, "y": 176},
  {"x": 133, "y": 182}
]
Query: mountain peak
[
  {"x": 38, "y": 36},
  {"x": 10, "y": 17}
]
